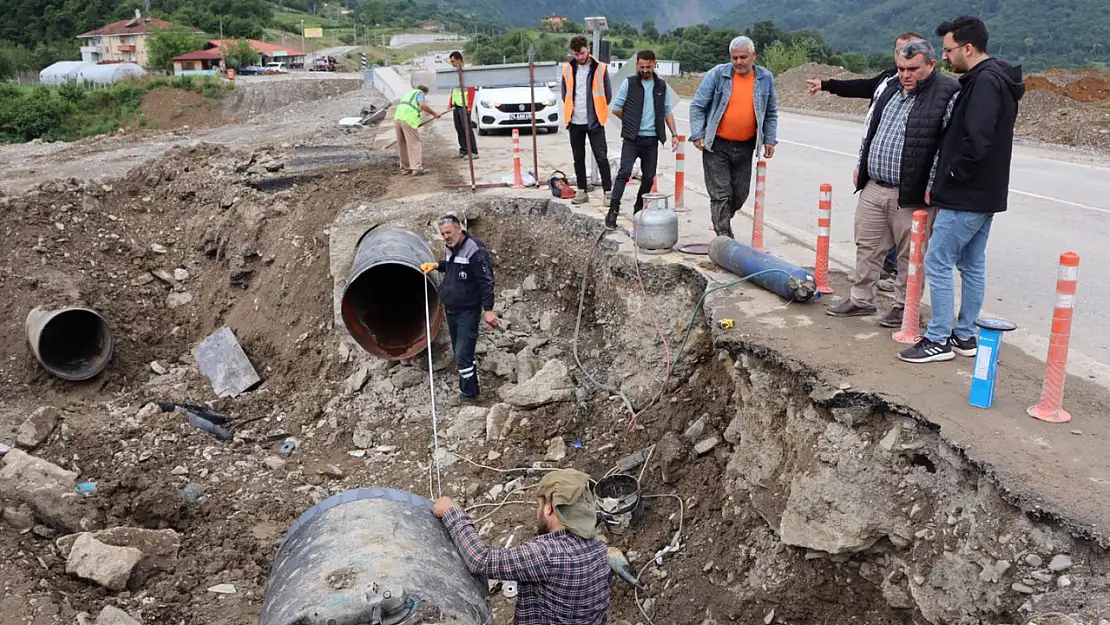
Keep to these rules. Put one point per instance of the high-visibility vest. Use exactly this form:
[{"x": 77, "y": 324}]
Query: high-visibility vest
[
  {"x": 408, "y": 109},
  {"x": 597, "y": 92},
  {"x": 457, "y": 99}
]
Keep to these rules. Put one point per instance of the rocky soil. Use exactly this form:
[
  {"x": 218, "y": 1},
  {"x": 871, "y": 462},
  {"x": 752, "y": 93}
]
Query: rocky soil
[{"x": 785, "y": 501}]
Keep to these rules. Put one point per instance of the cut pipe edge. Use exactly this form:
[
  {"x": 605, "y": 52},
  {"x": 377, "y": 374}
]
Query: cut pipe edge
[
  {"x": 72, "y": 343},
  {"x": 383, "y": 305}
]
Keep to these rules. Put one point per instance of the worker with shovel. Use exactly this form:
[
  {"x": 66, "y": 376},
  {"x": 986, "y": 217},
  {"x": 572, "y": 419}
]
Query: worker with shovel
[{"x": 406, "y": 121}]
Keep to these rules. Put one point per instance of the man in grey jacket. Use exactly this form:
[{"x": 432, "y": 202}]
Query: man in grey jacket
[{"x": 733, "y": 111}]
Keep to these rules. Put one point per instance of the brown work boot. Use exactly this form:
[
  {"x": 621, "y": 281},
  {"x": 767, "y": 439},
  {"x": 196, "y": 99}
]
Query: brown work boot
[
  {"x": 848, "y": 308},
  {"x": 580, "y": 197},
  {"x": 893, "y": 319}
]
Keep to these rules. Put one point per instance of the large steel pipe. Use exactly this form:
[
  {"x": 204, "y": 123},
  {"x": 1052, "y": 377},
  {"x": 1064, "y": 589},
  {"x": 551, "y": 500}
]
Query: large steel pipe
[
  {"x": 72, "y": 343},
  {"x": 772, "y": 273},
  {"x": 371, "y": 555},
  {"x": 383, "y": 302}
]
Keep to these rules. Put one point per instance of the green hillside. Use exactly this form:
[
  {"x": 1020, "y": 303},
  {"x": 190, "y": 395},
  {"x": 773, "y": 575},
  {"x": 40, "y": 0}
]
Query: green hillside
[
  {"x": 1035, "y": 33},
  {"x": 665, "y": 13}
]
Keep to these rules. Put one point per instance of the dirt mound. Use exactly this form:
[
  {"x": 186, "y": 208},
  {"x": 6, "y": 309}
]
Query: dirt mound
[
  {"x": 1055, "y": 118},
  {"x": 792, "y": 91},
  {"x": 167, "y": 108},
  {"x": 256, "y": 97}
]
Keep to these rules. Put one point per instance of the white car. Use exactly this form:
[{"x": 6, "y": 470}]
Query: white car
[
  {"x": 275, "y": 67},
  {"x": 505, "y": 108}
]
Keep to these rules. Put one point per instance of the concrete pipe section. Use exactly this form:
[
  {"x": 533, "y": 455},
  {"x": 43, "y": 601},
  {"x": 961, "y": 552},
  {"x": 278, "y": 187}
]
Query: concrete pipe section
[
  {"x": 383, "y": 302},
  {"x": 374, "y": 556},
  {"x": 72, "y": 343}
]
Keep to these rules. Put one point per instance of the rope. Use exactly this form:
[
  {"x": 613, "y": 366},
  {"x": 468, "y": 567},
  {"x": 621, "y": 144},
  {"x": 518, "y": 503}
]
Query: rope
[{"x": 432, "y": 387}]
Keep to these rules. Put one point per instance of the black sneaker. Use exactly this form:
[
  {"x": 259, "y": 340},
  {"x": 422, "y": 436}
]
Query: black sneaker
[
  {"x": 964, "y": 347},
  {"x": 893, "y": 319},
  {"x": 926, "y": 351},
  {"x": 610, "y": 222}
]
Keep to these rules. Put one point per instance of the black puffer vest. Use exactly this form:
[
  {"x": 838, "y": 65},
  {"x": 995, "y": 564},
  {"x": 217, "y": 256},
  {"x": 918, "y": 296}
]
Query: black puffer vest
[
  {"x": 634, "y": 108},
  {"x": 924, "y": 130}
]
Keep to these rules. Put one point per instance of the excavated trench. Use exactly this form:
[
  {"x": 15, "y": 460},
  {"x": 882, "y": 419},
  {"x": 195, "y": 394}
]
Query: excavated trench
[{"x": 816, "y": 504}]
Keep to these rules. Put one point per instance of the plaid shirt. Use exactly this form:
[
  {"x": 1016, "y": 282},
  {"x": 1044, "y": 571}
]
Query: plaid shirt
[
  {"x": 884, "y": 161},
  {"x": 562, "y": 579}
]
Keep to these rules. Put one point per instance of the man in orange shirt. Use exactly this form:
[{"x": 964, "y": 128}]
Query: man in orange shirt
[{"x": 733, "y": 111}]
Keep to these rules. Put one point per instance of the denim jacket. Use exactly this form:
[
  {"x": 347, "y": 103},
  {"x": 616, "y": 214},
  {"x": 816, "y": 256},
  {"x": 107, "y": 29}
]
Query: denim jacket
[{"x": 708, "y": 105}]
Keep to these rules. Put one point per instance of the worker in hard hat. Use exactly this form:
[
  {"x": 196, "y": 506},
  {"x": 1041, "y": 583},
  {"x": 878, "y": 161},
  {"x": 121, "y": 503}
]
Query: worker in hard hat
[
  {"x": 406, "y": 122},
  {"x": 562, "y": 575},
  {"x": 467, "y": 296}
]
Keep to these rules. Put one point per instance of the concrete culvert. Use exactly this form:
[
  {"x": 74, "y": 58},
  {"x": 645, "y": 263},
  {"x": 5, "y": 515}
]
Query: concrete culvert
[
  {"x": 72, "y": 343},
  {"x": 371, "y": 555},
  {"x": 383, "y": 303}
]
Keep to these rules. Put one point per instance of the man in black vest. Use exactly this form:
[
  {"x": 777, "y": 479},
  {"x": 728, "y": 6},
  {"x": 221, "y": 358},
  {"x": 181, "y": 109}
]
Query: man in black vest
[
  {"x": 904, "y": 129},
  {"x": 866, "y": 88},
  {"x": 638, "y": 105}
]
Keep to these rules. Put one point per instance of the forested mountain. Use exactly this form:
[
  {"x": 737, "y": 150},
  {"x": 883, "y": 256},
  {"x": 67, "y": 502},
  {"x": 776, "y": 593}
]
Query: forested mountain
[
  {"x": 666, "y": 14},
  {"x": 1036, "y": 33}
]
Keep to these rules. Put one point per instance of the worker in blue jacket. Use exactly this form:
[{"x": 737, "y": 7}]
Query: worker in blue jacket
[{"x": 466, "y": 293}]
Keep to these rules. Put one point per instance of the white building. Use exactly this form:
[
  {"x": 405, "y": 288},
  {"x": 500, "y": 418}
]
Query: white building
[{"x": 663, "y": 68}]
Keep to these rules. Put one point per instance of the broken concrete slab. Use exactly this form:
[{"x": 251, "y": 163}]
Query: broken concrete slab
[
  {"x": 106, "y": 565},
  {"x": 112, "y": 615},
  {"x": 159, "y": 547},
  {"x": 550, "y": 384},
  {"x": 37, "y": 428},
  {"x": 23, "y": 468},
  {"x": 499, "y": 421},
  {"x": 223, "y": 361}
]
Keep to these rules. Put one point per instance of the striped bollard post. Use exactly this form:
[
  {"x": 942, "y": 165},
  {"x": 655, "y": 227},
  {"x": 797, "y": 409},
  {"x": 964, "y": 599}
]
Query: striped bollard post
[
  {"x": 911, "y": 314},
  {"x": 757, "y": 209},
  {"x": 680, "y": 173},
  {"x": 518, "y": 181},
  {"x": 655, "y": 184},
  {"x": 1050, "y": 408},
  {"x": 824, "y": 226}
]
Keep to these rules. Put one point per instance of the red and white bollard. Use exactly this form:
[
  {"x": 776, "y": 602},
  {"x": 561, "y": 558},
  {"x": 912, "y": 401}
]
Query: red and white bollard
[
  {"x": 518, "y": 181},
  {"x": 680, "y": 173},
  {"x": 757, "y": 209},
  {"x": 824, "y": 227},
  {"x": 1050, "y": 408},
  {"x": 655, "y": 184},
  {"x": 915, "y": 281}
]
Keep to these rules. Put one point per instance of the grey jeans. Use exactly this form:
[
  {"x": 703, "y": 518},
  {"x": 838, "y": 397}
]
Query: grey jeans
[{"x": 728, "y": 178}]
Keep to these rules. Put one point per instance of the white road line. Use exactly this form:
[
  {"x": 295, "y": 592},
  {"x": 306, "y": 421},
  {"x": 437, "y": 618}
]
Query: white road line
[{"x": 1017, "y": 191}]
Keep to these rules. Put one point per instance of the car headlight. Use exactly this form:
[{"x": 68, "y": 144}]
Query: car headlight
[
  {"x": 549, "y": 102},
  {"x": 490, "y": 105}
]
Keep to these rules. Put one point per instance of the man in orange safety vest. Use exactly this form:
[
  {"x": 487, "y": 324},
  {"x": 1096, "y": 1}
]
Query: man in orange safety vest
[{"x": 587, "y": 92}]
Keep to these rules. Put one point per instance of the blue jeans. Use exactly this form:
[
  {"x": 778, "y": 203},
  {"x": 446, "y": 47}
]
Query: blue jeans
[{"x": 959, "y": 240}]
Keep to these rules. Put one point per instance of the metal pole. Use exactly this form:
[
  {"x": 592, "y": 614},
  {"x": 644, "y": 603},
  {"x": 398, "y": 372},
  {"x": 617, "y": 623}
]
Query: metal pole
[
  {"x": 466, "y": 133},
  {"x": 595, "y": 173},
  {"x": 532, "y": 86}
]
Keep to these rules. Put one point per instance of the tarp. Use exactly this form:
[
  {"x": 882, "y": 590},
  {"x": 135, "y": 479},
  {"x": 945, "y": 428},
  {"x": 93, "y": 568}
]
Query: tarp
[{"x": 108, "y": 74}]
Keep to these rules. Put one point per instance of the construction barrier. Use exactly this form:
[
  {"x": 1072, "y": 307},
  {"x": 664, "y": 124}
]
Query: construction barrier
[
  {"x": 518, "y": 182},
  {"x": 1050, "y": 408},
  {"x": 757, "y": 210},
  {"x": 680, "y": 173},
  {"x": 915, "y": 281},
  {"x": 824, "y": 227}
]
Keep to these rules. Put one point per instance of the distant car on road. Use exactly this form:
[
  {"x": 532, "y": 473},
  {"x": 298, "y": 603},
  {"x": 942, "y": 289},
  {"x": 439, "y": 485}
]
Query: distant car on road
[
  {"x": 251, "y": 70},
  {"x": 505, "y": 108},
  {"x": 275, "y": 67},
  {"x": 325, "y": 64}
]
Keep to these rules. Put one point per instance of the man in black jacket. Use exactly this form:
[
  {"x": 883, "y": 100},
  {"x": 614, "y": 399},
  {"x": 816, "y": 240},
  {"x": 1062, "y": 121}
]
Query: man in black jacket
[
  {"x": 646, "y": 110},
  {"x": 904, "y": 128},
  {"x": 971, "y": 181},
  {"x": 865, "y": 88},
  {"x": 466, "y": 294}
]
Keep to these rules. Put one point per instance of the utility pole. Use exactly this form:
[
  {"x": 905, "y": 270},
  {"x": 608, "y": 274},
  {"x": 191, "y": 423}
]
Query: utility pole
[{"x": 303, "y": 51}]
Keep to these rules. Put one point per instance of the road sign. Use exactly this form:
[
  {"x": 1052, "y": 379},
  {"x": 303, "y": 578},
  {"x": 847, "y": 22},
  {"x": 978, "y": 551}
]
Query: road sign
[{"x": 313, "y": 32}]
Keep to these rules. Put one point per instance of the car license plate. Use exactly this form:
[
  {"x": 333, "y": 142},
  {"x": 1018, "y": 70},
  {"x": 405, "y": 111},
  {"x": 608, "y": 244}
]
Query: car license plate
[{"x": 519, "y": 116}]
